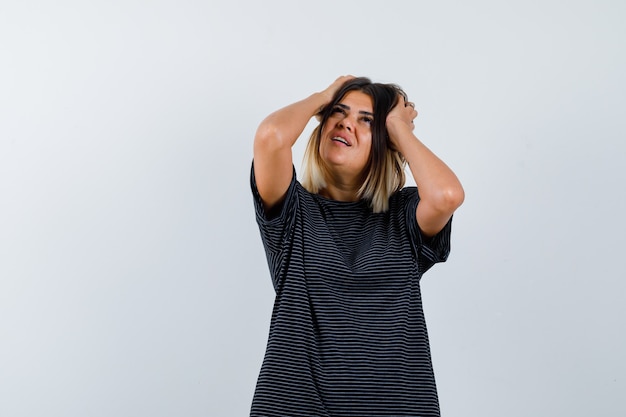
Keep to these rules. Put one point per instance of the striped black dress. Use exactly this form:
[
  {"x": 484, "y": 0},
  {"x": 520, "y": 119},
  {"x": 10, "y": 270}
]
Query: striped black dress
[{"x": 347, "y": 335}]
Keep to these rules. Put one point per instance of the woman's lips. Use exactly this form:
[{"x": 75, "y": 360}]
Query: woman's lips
[{"x": 340, "y": 140}]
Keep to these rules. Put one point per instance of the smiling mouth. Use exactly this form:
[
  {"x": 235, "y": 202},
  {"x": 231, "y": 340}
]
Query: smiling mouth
[{"x": 341, "y": 140}]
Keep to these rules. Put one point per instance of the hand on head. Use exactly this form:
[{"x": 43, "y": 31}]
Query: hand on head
[
  {"x": 403, "y": 112},
  {"x": 400, "y": 119},
  {"x": 330, "y": 91}
]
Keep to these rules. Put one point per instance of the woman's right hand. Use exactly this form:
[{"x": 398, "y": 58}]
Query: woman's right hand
[{"x": 330, "y": 91}]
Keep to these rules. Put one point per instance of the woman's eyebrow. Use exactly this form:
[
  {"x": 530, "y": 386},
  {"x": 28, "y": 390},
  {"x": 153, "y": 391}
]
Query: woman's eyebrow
[{"x": 343, "y": 106}]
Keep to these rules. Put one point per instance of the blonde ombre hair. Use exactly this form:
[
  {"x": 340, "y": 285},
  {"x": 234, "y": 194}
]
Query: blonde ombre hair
[{"x": 384, "y": 172}]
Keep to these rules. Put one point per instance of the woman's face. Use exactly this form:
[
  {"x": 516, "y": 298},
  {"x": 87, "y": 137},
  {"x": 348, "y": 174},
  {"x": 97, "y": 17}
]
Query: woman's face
[{"x": 346, "y": 139}]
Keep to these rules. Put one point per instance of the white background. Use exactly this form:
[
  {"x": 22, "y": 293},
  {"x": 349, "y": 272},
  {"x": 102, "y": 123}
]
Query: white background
[{"x": 132, "y": 276}]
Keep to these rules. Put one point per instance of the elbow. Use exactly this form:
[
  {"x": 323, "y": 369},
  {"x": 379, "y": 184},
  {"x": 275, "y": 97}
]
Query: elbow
[
  {"x": 450, "y": 198},
  {"x": 269, "y": 137},
  {"x": 266, "y": 136}
]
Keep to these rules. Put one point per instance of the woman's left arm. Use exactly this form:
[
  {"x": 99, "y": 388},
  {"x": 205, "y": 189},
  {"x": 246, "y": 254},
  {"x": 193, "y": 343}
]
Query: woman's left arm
[{"x": 441, "y": 192}]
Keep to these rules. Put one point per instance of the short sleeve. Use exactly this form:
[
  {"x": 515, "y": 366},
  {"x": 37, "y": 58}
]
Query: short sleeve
[
  {"x": 429, "y": 250},
  {"x": 277, "y": 227}
]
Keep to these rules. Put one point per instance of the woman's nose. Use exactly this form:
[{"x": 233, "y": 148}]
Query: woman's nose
[{"x": 346, "y": 123}]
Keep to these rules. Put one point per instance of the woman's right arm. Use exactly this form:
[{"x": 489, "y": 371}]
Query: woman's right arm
[{"x": 273, "y": 164}]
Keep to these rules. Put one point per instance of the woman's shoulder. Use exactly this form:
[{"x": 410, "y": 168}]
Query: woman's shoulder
[
  {"x": 402, "y": 200},
  {"x": 404, "y": 194}
]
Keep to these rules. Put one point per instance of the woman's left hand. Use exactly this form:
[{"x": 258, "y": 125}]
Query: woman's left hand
[{"x": 400, "y": 120}]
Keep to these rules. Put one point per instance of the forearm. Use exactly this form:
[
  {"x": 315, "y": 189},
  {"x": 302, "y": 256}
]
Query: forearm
[
  {"x": 438, "y": 186},
  {"x": 282, "y": 128}
]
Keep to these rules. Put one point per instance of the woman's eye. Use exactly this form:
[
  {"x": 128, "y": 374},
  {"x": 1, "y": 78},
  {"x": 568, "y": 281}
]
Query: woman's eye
[
  {"x": 368, "y": 120},
  {"x": 338, "y": 110}
]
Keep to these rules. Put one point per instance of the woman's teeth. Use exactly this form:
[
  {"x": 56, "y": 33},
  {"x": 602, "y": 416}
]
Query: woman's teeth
[{"x": 342, "y": 140}]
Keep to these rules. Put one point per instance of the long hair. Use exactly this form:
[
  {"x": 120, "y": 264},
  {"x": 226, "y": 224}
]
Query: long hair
[{"x": 384, "y": 171}]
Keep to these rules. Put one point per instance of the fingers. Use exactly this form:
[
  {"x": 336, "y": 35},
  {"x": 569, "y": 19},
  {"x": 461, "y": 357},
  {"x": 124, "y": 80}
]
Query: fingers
[
  {"x": 404, "y": 111},
  {"x": 412, "y": 112},
  {"x": 341, "y": 81},
  {"x": 330, "y": 91},
  {"x": 412, "y": 106}
]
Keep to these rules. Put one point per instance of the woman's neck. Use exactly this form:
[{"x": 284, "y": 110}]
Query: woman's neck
[{"x": 341, "y": 191}]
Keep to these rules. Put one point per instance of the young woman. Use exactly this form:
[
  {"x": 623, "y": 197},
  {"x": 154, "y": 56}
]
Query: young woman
[{"x": 346, "y": 249}]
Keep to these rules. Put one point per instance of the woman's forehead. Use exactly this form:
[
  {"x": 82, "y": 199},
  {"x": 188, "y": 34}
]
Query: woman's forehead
[{"x": 357, "y": 99}]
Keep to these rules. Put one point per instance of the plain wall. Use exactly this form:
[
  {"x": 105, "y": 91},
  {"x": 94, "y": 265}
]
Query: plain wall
[{"x": 133, "y": 281}]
